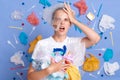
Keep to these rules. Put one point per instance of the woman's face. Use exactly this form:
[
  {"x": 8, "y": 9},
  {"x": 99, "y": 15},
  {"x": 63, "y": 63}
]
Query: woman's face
[{"x": 61, "y": 22}]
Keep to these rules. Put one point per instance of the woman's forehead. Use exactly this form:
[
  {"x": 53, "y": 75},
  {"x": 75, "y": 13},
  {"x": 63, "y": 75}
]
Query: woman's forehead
[{"x": 61, "y": 14}]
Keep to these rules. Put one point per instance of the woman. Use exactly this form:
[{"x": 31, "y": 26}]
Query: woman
[{"x": 62, "y": 19}]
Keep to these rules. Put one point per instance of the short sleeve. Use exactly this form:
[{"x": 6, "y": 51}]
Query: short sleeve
[
  {"x": 36, "y": 51},
  {"x": 41, "y": 50},
  {"x": 77, "y": 48}
]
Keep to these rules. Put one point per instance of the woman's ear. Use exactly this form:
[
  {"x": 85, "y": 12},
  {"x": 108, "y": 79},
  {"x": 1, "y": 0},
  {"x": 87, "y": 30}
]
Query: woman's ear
[
  {"x": 71, "y": 23},
  {"x": 53, "y": 23}
]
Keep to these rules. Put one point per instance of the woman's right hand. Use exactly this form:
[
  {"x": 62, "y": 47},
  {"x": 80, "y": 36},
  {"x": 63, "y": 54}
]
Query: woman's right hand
[
  {"x": 70, "y": 12},
  {"x": 57, "y": 66}
]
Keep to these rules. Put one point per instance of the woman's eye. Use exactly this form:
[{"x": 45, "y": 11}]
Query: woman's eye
[
  {"x": 57, "y": 19},
  {"x": 66, "y": 19}
]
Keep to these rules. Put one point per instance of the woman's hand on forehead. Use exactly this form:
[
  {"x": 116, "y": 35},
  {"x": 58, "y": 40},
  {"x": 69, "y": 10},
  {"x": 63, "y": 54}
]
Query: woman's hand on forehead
[{"x": 69, "y": 11}]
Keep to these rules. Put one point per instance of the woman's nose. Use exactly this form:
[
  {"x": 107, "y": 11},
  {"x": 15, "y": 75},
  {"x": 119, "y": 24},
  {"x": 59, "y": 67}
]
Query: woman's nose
[{"x": 62, "y": 22}]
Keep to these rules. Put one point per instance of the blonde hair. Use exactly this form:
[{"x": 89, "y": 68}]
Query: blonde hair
[
  {"x": 53, "y": 14},
  {"x": 60, "y": 8}
]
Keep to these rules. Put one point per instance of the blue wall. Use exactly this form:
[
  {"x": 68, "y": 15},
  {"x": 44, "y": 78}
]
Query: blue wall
[{"x": 8, "y": 69}]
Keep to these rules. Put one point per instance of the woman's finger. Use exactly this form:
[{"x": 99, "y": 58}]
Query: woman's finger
[
  {"x": 65, "y": 66},
  {"x": 52, "y": 60},
  {"x": 65, "y": 10},
  {"x": 67, "y": 7},
  {"x": 68, "y": 4},
  {"x": 61, "y": 61}
]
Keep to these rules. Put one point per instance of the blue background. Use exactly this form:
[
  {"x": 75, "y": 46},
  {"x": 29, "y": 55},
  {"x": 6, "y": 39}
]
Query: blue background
[{"x": 110, "y": 7}]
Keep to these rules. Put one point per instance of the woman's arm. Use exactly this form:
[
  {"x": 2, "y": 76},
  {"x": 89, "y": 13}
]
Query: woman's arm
[
  {"x": 37, "y": 75},
  {"x": 54, "y": 67},
  {"x": 91, "y": 36}
]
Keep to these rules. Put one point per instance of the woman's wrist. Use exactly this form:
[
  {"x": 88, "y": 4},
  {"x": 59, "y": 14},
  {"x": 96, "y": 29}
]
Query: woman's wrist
[
  {"x": 48, "y": 70},
  {"x": 74, "y": 21}
]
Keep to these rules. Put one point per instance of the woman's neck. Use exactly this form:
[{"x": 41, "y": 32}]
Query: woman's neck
[{"x": 59, "y": 38}]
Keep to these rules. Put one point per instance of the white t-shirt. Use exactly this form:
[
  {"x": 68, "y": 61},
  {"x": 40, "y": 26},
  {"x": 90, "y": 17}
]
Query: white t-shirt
[{"x": 73, "y": 45}]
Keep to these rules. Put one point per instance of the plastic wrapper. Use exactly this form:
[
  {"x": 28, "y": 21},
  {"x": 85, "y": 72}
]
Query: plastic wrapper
[{"x": 33, "y": 19}]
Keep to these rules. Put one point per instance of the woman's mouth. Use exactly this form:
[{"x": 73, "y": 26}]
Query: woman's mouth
[{"x": 61, "y": 29}]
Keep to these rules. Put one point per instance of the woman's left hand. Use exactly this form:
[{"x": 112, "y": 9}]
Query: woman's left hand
[{"x": 70, "y": 12}]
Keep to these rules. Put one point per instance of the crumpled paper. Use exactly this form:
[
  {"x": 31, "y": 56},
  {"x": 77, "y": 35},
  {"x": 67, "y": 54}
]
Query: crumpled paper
[
  {"x": 106, "y": 22},
  {"x": 17, "y": 58},
  {"x": 17, "y": 15},
  {"x": 110, "y": 68}
]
